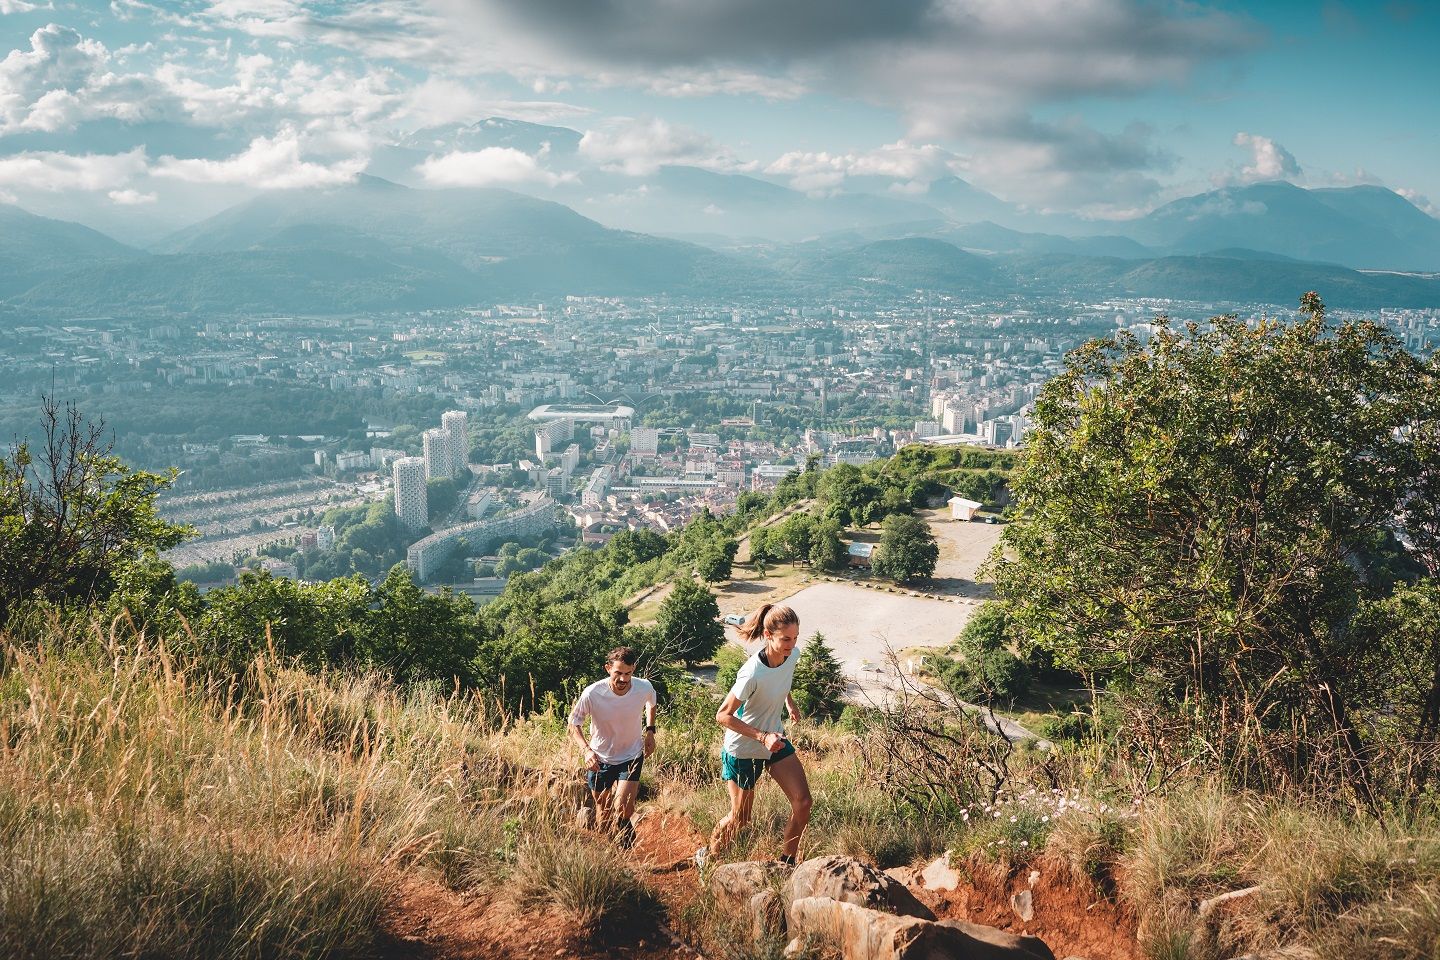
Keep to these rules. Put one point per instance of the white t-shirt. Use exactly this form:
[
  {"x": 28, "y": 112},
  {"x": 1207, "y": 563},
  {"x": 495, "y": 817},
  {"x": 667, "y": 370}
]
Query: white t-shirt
[
  {"x": 761, "y": 691},
  {"x": 617, "y": 724}
]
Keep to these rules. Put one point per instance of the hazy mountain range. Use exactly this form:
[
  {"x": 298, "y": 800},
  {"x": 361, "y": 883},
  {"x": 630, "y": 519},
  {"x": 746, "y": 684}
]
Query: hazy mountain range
[{"x": 378, "y": 244}]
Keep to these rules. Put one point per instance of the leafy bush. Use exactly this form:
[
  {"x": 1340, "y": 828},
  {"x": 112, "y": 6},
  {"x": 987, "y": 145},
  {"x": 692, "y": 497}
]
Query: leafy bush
[
  {"x": 907, "y": 550},
  {"x": 689, "y": 623}
]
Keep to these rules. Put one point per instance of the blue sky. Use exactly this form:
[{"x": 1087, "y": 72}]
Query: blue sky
[{"x": 1104, "y": 108}]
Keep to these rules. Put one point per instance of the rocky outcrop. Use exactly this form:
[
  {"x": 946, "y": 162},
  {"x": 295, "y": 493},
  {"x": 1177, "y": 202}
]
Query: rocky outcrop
[
  {"x": 851, "y": 881},
  {"x": 848, "y": 905},
  {"x": 861, "y": 933},
  {"x": 752, "y": 889}
]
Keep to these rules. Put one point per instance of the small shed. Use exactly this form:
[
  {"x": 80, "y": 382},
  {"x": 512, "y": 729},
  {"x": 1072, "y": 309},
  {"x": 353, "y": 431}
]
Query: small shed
[
  {"x": 963, "y": 509},
  {"x": 859, "y": 554}
]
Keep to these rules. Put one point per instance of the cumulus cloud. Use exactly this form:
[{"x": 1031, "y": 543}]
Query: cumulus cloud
[
  {"x": 1268, "y": 160},
  {"x": 975, "y": 71},
  {"x": 1419, "y": 200},
  {"x": 65, "y": 79},
  {"x": 131, "y": 198},
  {"x": 269, "y": 163},
  {"x": 52, "y": 172},
  {"x": 17, "y": 6},
  {"x": 640, "y": 147},
  {"x": 914, "y": 166},
  {"x": 384, "y": 29},
  {"x": 489, "y": 167}
]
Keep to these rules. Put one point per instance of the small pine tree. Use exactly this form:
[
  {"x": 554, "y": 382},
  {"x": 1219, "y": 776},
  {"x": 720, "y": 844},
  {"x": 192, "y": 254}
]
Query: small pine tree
[{"x": 819, "y": 685}]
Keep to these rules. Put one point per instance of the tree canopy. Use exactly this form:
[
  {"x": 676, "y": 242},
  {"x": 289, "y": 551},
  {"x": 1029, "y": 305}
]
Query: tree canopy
[
  {"x": 1198, "y": 514},
  {"x": 907, "y": 550}
]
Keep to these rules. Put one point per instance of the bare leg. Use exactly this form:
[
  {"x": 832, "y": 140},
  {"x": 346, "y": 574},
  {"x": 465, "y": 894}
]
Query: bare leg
[
  {"x": 741, "y": 801},
  {"x": 603, "y": 808},
  {"x": 790, "y": 774},
  {"x": 626, "y": 792}
]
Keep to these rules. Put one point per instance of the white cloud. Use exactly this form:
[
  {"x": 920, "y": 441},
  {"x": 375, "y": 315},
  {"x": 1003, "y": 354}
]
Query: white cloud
[
  {"x": 131, "y": 198},
  {"x": 812, "y": 172},
  {"x": 269, "y": 163},
  {"x": 65, "y": 79},
  {"x": 977, "y": 72},
  {"x": 640, "y": 147},
  {"x": 914, "y": 166},
  {"x": 1420, "y": 200},
  {"x": 489, "y": 167},
  {"x": 53, "y": 172},
  {"x": 17, "y": 6},
  {"x": 1268, "y": 160}
]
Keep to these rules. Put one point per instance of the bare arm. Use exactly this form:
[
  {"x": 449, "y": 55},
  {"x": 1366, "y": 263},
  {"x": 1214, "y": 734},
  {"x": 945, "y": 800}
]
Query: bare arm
[
  {"x": 725, "y": 716},
  {"x": 577, "y": 734},
  {"x": 794, "y": 710},
  {"x": 649, "y": 733}
]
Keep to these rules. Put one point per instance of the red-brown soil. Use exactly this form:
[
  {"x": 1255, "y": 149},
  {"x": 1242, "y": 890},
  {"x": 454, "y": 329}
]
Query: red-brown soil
[
  {"x": 1070, "y": 914},
  {"x": 425, "y": 921}
]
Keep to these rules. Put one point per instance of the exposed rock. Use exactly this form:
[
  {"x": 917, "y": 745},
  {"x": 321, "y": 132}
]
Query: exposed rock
[
  {"x": 864, "y": 934},
  {"x": 735, "y": 885},
  {"x": 909, "y": 876},
  {"x": 767, "y": 915},
  {"x": 939, "y": 875},
  {"x": 1294, "y": 951},
  {"x": 1023, "y": 903},
  {"x": 585, "y": 816},
  {"x": 992, "y": 943},
  {"x": 849, "y": 880}
]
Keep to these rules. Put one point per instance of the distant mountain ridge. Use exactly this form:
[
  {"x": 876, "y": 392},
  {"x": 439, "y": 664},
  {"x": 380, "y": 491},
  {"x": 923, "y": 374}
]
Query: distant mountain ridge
[
  {"x": 1361, "y": 227},
  {"x": 34, "y": 249},
  {"x": 377, "y": 246}
]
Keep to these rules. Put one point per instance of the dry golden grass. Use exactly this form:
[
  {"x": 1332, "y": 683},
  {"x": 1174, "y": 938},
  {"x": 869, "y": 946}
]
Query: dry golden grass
[{"x": 147, "y": 810}]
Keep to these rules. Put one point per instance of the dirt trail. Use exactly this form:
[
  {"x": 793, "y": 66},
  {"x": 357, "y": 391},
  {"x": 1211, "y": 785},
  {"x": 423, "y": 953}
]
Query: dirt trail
[{"x": 425, "y": 921}]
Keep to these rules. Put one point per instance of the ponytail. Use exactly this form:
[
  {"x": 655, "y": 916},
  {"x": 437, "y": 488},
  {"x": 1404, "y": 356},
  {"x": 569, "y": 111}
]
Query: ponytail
[{"x": 768, "y": 617}]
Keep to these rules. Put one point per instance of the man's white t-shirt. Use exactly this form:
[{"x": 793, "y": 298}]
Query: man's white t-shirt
[
  {"x": 761, "y": 691},
  {"x": 617, "y": 724}
]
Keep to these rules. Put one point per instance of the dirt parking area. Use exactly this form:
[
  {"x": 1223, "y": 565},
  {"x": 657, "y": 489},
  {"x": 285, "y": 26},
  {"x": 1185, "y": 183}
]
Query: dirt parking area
[
  {"x": 964, "y": 546},
  {"x": 862, "y": 625}
]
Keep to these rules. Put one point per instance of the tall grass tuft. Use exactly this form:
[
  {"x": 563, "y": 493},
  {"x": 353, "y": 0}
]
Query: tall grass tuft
[
  {"x": 579, "y": 877},
  {"x": 146, "y": 810}
]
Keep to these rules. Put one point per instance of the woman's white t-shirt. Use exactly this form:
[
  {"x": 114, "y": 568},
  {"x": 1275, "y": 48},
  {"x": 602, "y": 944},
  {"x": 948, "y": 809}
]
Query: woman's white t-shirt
[
  {"x": 617, "y": 724},
  {"x": 761, "y": 691}
]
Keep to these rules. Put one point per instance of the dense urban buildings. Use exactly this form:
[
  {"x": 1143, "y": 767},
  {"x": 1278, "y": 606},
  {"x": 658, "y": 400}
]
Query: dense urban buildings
[{"x": 625, "y": 413}]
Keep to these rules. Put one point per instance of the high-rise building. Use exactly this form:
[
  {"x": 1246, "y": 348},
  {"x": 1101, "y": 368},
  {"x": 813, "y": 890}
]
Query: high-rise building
[
  {"x": 556, "y": 480},
  {"x": 570, "y": 459},
  {"x": 438, "y": 462},
  {"x": 455, "y": 423},
  {"x": 645, "y": 441},
  {"x": 411, "y": 505}
]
